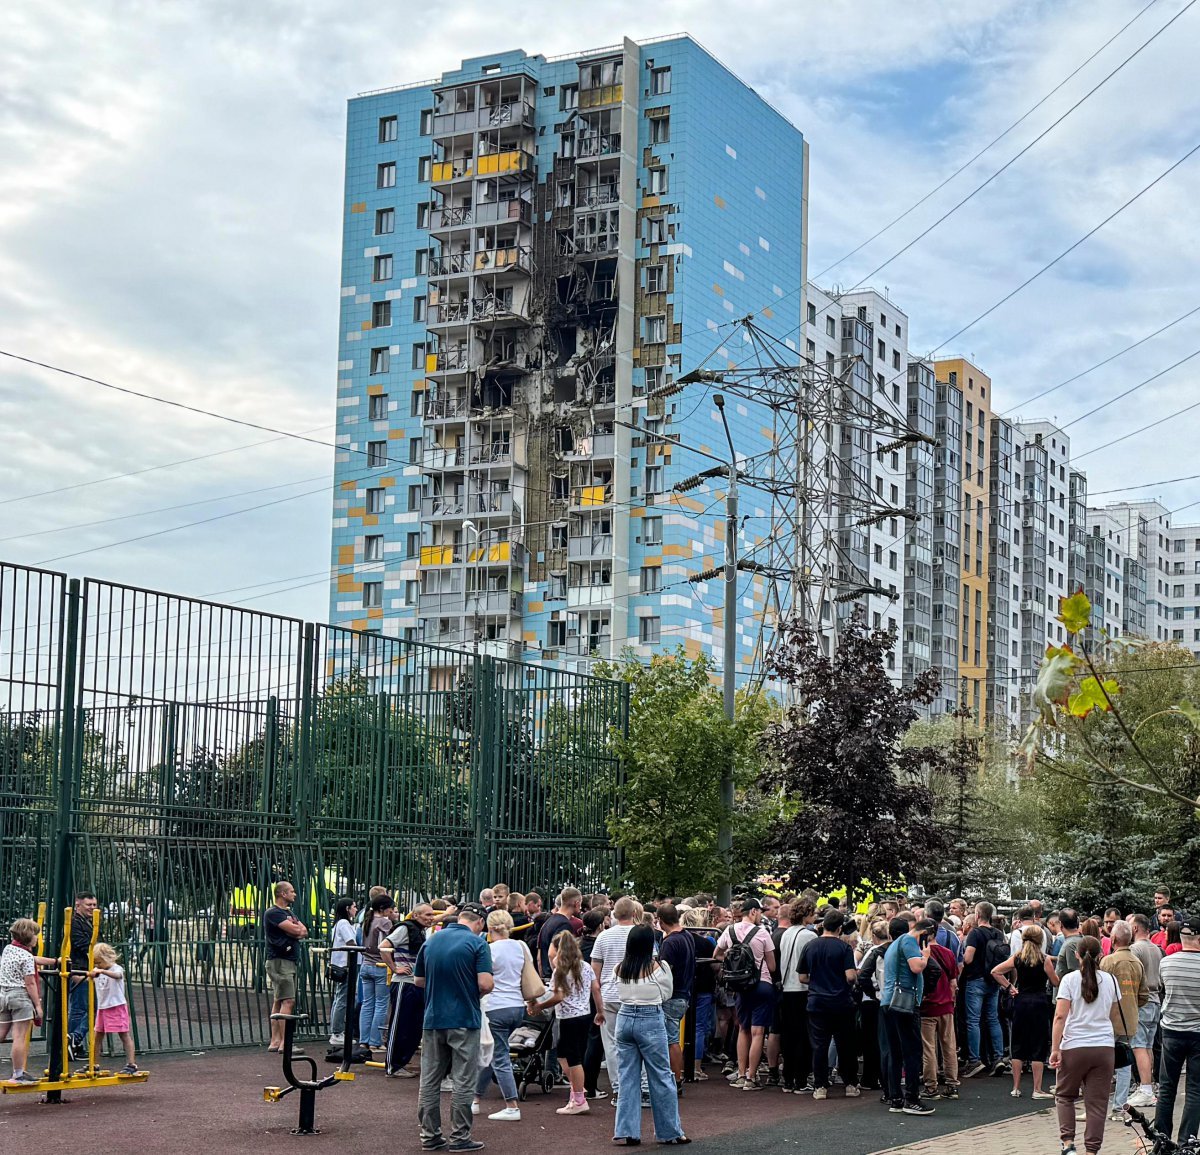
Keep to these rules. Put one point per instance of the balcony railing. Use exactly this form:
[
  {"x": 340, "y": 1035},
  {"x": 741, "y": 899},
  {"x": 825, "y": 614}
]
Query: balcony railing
[
  {"x": 596, "y": 144},
  {"x": 452, "y": 264},
  {"x": 444, "y": 603},
  {"x": 445, "y": 171},
  {"x": 599, "y": 445},
  {"x": 484, "y": 504},
  {"x": 488, "y": 213},
  {"x": 443, "y": 505},
  {"x": 438, "y": 457},
  {"x": 591, "y": 496},
  {"x": 594, "y": 545},
  {"x": 508, "y": 162},
  {"x": 496, "y": 454},
  {"x": 597, "y": 196},
  {"x": 493, "y": 602},
  {"x": 590, "y": 644},
  {"x": 598, "y": 97},
  {"x": 485, "y": 116},
  {"x": 447, "y": 361},
  {"x": 579, "y": 597},
  {"x": 445, "y": 408},
  {"x": 514, "y": 257},
  {"x": 450, "y": 313},
  {"x": 497, "y": 553},
  {"x": 441, "y": 555}
]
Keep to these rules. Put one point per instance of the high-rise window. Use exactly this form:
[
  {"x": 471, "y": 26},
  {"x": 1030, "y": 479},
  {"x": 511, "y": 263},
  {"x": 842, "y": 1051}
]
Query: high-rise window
[
  {"x": 381, "y": 314},
  {"x": 419, "y": 309},
  {"x": 383, "y": 268},
  {"x": 377, "y": 407},
  {"x": 385, "y": 175},
  {"x": 658, "y": 181},
  {"x": 372, "y": 595},
  {"x": 375, "y": 499},
  {"x": 425, "y": 168},
  {"x": 373, "y": 547},
  {"x": 385, "y": 221},
  {"x": 650, "y": 631},
  {"x": 660, "y": 130},
  {"x": 426, "y": 128},
  {"x": 651, "y": 579},
  {"x": 381, "y": 359},
  {"x": 660, "y": 81},
  {"x": 652, "y": 530},
  {"x": 376, "y": 454},
  {"x": 389, "y": 129}
]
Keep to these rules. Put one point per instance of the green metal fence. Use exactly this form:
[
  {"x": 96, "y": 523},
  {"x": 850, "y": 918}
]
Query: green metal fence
[{"x": 177, "y": 757}]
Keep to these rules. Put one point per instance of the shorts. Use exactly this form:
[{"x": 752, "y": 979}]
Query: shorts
[
  {"x": 572, "y": 1039},
  {"x": 757, "y": 1007},
  {"x": 282, "y": 973},
  {"x": 1147, "y": 1025},
  {"x": 113, "y": 1020},
  {"x": 673, "y": 1012},
  {"x": 15, "y": 1005}
]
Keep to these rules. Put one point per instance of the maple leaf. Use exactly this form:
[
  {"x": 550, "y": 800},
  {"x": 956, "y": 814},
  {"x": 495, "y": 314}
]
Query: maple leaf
[
  {"x": 1075, "y": 612},
  {"x": 1092, "y": 696},
  {"x": 1054, "y": 681}
]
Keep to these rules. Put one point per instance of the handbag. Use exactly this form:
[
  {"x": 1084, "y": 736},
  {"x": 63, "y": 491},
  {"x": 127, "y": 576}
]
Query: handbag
[
  {"x": 904, "y": 999},
  {"x": 532, "y": 986},
  {"x": 337, "y": 974},
  {"x": 1122, "y": 1051}
]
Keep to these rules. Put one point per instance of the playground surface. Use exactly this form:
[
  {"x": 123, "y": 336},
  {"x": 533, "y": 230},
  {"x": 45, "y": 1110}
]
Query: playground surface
[{"x": 213, "y": 1101}]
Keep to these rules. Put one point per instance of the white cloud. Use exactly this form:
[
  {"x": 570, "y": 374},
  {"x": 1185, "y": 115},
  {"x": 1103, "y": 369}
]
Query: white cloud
[{"x": 170, "y": 206}]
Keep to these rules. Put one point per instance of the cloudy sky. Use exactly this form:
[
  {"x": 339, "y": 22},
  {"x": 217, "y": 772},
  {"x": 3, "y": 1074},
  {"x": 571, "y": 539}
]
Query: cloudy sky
[{"x": 170, "y": 182}]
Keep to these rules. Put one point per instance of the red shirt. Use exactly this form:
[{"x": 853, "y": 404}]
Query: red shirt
[
  {"x": 938, "y": 999},
  {"x": 1159, "y": 938}
]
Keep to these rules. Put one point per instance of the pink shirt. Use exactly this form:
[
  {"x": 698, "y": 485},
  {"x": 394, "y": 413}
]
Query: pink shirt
[{"x": 760, "y": 945}]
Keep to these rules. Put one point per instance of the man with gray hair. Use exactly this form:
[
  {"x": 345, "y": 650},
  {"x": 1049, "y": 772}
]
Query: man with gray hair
[{"x": 1131, "y": 980}]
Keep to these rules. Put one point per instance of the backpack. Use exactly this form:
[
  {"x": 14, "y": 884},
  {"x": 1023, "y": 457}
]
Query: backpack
[
  {"x": 995, "y": 952},
  {"x": 739, "y": 967},
  {"x": 934, "y": 971}
]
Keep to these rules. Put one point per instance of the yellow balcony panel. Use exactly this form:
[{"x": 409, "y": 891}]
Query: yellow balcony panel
[
  {"x": 593, "y": 495},
  {"x": 437, "y": 555},
  {"x": 501, "y": 162},
  {"x": 606, "y": 94},
  {"x": 499, "y": 551},
  {"x": 431, "y": 362},
  {"x": 445, "y": 170}
]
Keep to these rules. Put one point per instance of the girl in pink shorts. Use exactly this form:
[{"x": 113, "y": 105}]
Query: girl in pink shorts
[{"x": 112, "y": 1008}]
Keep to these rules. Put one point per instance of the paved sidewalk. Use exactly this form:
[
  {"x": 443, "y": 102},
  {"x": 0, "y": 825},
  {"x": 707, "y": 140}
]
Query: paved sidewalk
[{"x": 1024, "y": 1135}]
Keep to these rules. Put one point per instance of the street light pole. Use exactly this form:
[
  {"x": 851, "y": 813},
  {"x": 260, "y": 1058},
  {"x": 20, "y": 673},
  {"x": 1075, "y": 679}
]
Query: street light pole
[
  {"x": 468, "y": 524},
  {"x": 725, "y": 826}
]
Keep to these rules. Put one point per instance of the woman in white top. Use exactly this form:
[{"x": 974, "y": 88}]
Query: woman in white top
[
  {"x": 644, "y": 984},
  {"x": 344, "y": 934},
  {"x": 1081, "y": 1049},
  {"x": 505, "y": 1010}
]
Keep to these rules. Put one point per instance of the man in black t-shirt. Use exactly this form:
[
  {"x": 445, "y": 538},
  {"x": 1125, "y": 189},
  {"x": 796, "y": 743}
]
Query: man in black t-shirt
[
  {"x": 830, "y": 972},
  {"x": 283, "y": 932},
  {"x": 569, "y": 903},
  {"x": 81, "y": 947},
  {"x": 678, "y": 952}
]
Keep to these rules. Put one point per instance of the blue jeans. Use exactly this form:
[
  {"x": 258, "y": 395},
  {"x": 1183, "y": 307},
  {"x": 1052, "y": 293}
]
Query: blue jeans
[
  {"x": 704, "y": 1024},
  {"x": 77, "y": 1012},
  {"x": 642, "y": 1041},
  {"x": 982, "y": 1000},
  {"x": 503, "y": 1022},
  {"x": 374, "y": 1004}
]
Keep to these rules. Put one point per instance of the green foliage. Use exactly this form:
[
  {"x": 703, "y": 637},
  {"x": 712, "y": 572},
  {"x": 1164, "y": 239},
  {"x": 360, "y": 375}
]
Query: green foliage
[
  {"x": 1115, "y": 758},
  {"x": 678, "y": 741}
]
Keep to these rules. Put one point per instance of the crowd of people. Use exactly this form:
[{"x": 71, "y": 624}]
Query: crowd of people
[{"x": 789, "y": 993}]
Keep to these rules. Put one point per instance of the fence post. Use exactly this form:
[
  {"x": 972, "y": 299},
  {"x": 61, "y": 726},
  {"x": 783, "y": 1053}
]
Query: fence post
[
  {"x": 483, "y": 711},
  {"x": 67, "y": 802}
]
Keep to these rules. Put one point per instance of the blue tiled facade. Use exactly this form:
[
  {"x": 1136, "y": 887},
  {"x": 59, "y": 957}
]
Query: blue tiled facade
[{"x": 486, "y": 476}]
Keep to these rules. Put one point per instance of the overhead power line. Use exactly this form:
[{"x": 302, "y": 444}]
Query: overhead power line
[{"x": 987, "y": 147}]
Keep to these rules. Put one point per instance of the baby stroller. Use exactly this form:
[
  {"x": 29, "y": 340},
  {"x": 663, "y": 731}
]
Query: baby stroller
[{"x": 529, "y": 1045}]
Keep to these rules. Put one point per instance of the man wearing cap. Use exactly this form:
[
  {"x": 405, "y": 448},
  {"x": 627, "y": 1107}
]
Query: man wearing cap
[
  {"x": 1180, "y": 1020},
  {"x": 455, "y": 968},
  {"x": 755, "y": 1007}
]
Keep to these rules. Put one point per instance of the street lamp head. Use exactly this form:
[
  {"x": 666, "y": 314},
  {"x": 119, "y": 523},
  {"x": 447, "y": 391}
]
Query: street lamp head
[{"x": 718, "y": 400}]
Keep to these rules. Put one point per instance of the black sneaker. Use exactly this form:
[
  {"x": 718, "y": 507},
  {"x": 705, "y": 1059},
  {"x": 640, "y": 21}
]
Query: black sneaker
[
  {"x": 436, "y": 1143},
  {"x": 645, "y": 1102},
  {"x": 773, "y": 1079},
  {"x": 917, "y": 1109},
  {"x": 1000, "y": 1067},
  {"x": 897, "y": 1105},
  {"x": 597, "y": 1094},
  {"x": 972, "y": 1069},
  {"x": 467, "y": 1145},
  {"x": 949, "y": 1092}
]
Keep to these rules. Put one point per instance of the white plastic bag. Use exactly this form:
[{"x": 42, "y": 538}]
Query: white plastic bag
[{"x": 487, "y": 1044}]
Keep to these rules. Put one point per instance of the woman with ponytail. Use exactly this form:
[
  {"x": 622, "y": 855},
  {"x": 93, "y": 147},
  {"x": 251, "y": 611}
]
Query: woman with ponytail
[{"x": 1082, "y": 1046}]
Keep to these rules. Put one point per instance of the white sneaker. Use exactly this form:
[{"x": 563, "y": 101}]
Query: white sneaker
[
  {"x": 852, "y": 1091},
  {"x": 336, "y": 1040},
  {"x": 820, "y": 1093},
  {"x": 474, "y": 1108},
  {"x": 508, "y": 1115},
  {"x": 1141, "y": 1098},
  {"x": 447, "y": 1085}
]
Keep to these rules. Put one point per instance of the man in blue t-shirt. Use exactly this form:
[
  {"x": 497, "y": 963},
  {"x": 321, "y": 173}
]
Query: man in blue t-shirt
[
  {"x": 455, "y": 968},
  {"x": 827, "y": 965}
]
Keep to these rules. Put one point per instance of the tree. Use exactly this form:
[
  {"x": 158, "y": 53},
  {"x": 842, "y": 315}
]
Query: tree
[
  {"x": 679, "y": 739},
  {"x": 860, "y": 809}
]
